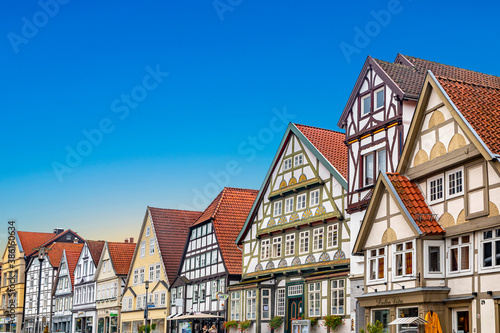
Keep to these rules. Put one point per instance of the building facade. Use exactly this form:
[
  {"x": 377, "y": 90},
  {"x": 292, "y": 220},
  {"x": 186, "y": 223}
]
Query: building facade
[
  {"x": 430, "y": 232},
  {"x": 296, "y": 239},
  {"x": 111, "y": 276},
  {"x": 154, "y": 267},
  {"x": 211, "y": 260}
]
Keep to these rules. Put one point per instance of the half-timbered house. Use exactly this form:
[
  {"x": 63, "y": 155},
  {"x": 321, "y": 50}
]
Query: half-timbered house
[
  {"x": 295, "y": 240},
  {"x": 431, "y": 233},
  {"x": 211, "y": 260},
  {"x": 84, "y": 303},
  {"x": 154, "y": 267}
]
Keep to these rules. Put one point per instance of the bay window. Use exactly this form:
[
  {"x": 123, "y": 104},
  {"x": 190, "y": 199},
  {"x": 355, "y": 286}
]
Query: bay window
[
  {"x": 490, "y": 249},
  {"x": 403, "y": 259},
  {"x": 434, "y": 259},
  {"x": 460, "y": 248}
]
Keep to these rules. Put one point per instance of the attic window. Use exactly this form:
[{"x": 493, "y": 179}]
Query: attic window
[
  {"x": 68, "y": 237},
  {"x": 366, "y": 102},
  {"x": 379, "y": 98}
]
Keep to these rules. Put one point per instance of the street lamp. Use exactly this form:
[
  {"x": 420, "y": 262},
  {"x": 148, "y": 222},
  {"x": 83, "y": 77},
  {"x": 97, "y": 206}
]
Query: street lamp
[
  {"x": 41, "y": 258},
  {"x": 146, "y": 308}
]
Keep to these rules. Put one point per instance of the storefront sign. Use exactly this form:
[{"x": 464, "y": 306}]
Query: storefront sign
[
  {"x": 221, "y": 296},
  {"x": 389, "y": 301}
]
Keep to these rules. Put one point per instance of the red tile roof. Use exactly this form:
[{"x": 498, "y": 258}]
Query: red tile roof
[
  {"x": 56, "y": 250},
  {"x": 72, "y": 259},
  {"x": 330, "y": 144},
  {"x": 95, "y": 248},
  {"x": 121, "y": 256},
  {"x": 415, "y": 203},
  {"x": 171, "y": 227},
  {"x": 228, "y": 212},
  {"x": 480, "y": 105},
  {"x": 31, "y": 240},
  {"x": 55, "y": 238}
]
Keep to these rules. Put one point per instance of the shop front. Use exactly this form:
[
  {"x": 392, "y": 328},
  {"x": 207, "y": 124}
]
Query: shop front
[
  {"x": 107, "y": 321},
  {"x": 61, "y": 324},
  {"x": 84, "y": 322},
  {"x": 8, "y": 324},
  {"x": 408, "y": 310}
]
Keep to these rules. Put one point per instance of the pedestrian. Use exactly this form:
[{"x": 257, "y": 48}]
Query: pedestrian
[{"x": 212, "y": 329}]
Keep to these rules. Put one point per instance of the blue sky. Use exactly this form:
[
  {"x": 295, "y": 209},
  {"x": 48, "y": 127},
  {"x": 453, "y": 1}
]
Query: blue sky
[{"x": 175, "y": 93}]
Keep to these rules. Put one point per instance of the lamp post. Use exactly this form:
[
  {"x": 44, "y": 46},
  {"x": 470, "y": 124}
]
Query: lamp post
[
  {"x": 41, "y": 258},
  {"x": 146, "y": 308}
]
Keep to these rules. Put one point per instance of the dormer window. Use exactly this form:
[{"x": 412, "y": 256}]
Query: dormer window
[
  {"x": 366, "y": 102},
  {"x": 379, "y": 98}
]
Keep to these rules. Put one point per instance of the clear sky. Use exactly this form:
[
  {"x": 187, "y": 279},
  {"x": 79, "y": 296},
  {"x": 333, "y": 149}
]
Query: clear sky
[{"x": 110, "y": 106}]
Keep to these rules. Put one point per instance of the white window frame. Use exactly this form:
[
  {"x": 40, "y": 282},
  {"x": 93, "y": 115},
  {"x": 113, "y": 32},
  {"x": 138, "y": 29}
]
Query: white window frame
[
  {"x": 427, "y": 245},
  {"x": 314, "y": 198},
  {"x": 143, "y": 249},
  {"x": 148, "y": 231},
  {"x": 280, "y": 301},
  {"x": 376, "y": 258},
  {"x": 287, "y": 164},
  {"x": 447, "y": 182},
  {"x": 251, "y": 304},
  {"x": 235, "y": 305},
  {"x": 375, "y": 98},
  {"x": 314, "y": 295},
  {"x": 290, "y": 245},
  {"x": 319, "y": 239},
  {"x": 298, "y": 160},
  {"x": 304, "y": 239},
  {"x": 362, "y": 104},
  {"x": 429, "y": 189},
  {"x": 289, "y": 205},
  {"x": 332, "y": 236},
  {"x": 365, "y": 183},
  {"x": 337, "y": 292},
  {"x": 459, "y": 247},
  {"x": 278, "y": 208},
  {"x": 403, "y": 253},
  {"x": 263, "y": 299},
  {"x": 277, "y": 247},
  {"x": 495, "y": 237},
  {"x": 301, "y": 201},
  {"x": 151, "y": 246},
  {"x": 265, "y": 249}
]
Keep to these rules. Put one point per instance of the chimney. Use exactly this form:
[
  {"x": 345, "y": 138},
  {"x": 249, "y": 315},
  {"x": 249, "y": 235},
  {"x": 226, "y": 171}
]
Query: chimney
[
  {"x": 131, "y": 239},
  {"x": 57, "y": 231},
  {"x": 75, "y": 240},
  {"x": 126, "y": 240}
]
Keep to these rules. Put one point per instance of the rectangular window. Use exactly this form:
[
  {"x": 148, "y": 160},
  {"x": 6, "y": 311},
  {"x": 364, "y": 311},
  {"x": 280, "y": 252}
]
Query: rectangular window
[
  {"x": 209, "y": 228},
  {"x": 368, "y": 173},
  {"x": 157, "y": 272},
  {"x": 264, "y": 249},
  {"x": 136, "y": 276},
  {"x": 381, "y": 161},
  {"x": 151, "y": 273},
  {"x": 405, "y": 313},
  {"x": 214, "y": 289},
  {"x": 287, "y": 164},
  {"x": 434, "y": 259},
  {"x": 208, "y": 257},
  {"x": 203, "y": 293},
  {"x": 318, "y": 239},
  {"x": 298, "y": 160},
  {"x": 454, "y": 183},
  {"x": 214, "y": 257},
  {"x": 222, "y": 285},
  {"x": 403, "y": 259},
  {"x": 338, "y": 297},
  {"x": 490, "y": 249},
  {"x": 143, "y": 249},
  {"x": 235, "y": 305},
  {"x": 195, "y": 294},
  {"x": 147, "y": 231},
  {"x": 152, "y": 246},
  {"x": 314, "y": 299},
  {"x": 277, "y": 247},
  {"x": 332, "y": 234},
  {"x": 197, "y": 262},
  {"x": 266, "y": 304},
  {"x": 277, "y": 208},
  {"x": 436, "y": 190},
  {"x": 139, "y": 302},
  {"x": 163, "y": 296},
  {"x": 251, "y": 304},
  {"x": 288, "y": 205},
  {"x": 304, "y": 242},
  {"x": 290, "y": 245},
  {"x": 280, "y": 302},
  {"x": 460, "y": 254},
  {"x": 301, "y": 201},
  {"x": 381, "y": 316},
  {"x": 314, "y": 198},
  {"x": 379, "y": 98},
  {"x": 377, "y": 264},
  {"x": 141, "y": 275},
  {"x": 366, "y": 104},
  {"x": 173, "y": 296}
]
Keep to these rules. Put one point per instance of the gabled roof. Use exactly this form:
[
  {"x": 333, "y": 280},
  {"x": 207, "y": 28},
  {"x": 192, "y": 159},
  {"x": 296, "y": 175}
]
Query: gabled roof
[
  {"x": 309, "y": 136},
  {"x": 479, "y": 104},
  {"x": 56, "y": 249},
  {"x": 95, "y": 249},
  {"x": 54, "y": 238},
  {"x": 407, "y": 74},
  {"x": 171, "y": 227},
  {"x": 72, "y": 259},
  {"x": 329, "y": 143},
  {"x": 228, "y": 213},
  {"x": 121, "y": 256},
  {"x": 415, "y": 204},
  {"x": 31, "y": 240}
]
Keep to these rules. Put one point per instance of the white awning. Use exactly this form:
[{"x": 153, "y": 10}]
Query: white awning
[{"x": 408, "y": 321}]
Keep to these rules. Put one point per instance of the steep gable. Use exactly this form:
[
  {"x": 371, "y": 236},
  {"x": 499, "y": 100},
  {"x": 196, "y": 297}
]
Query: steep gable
[
  {"x": 95, "y": 249},
  {"x": 56, "y": 250},
  {"x": 121, "y": 256},
  {"x": 72, "y": 260}
]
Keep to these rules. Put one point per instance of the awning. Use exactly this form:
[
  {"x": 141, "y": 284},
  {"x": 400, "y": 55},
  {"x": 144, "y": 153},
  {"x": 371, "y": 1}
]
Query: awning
[
  {"x": 195, "y": 316},
  {"x": 408, "y": 321},
  {"x": 173, "y": 316}
]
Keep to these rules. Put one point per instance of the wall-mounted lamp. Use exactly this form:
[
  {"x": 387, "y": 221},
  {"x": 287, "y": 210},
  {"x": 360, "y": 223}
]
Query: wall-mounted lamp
[
  {"x": 474, "y": 294},
  {"x": 490, "y": 293}
]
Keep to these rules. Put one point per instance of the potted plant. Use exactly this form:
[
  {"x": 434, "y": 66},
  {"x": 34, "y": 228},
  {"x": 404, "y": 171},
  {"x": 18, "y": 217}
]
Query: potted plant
[
  {"x": 147, "y": 329},
  {"x": 276, "y": 322},
  {"x": 314, "y": 322},
  {"x": 231, "y": 324},
  {"x": 332, "y": 322},
  {"x": 374, "y": 328},
  {"x": 244, "y": 325}
]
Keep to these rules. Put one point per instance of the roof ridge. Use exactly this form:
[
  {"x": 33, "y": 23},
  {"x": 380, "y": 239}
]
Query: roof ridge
[
  {"x": 320, "y": 128},
  {"x": 466, "y": 82},
  {"x": 176, "y": 210}
]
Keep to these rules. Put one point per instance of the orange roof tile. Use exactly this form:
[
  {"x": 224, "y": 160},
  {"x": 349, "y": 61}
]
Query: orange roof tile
[
  {"x": 480, "y": 105},
  {"x": 330, "y": 144},
  {"x": 229, "y": 211},
  {"x": 121, "y": 256},
  {"x": 72, "y": 259},
  {"x": 53, "y": 239},
  {"x": 171, "y": 227},
  {"x": 415, "y": 203},
  {"x": 31, "y": 240},
  {"x": 56, "y": 250}
]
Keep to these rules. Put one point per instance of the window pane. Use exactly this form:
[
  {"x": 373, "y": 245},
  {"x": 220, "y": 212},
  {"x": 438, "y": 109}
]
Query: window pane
[
  {"x": 464, "y": 263},
  {"x": 497, "y": 253},
  {"x": 381, "y": 161},
  {"x": 487, "y": 262},
  {"x": 380, "y": 98},
  {"x": 434, "y": 259},
  {"x": 366, "y": 104},
  {"x": 454, "y": 260},
  {"x": 381, "y": 268},
  {"x": 409, "y": 263},
  {"x": 368, "y": 169}
]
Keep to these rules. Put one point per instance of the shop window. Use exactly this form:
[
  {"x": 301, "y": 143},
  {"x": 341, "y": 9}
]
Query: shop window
[
  {"x": 381, "y": 315},
  {"x": 405, "y": 313}
]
